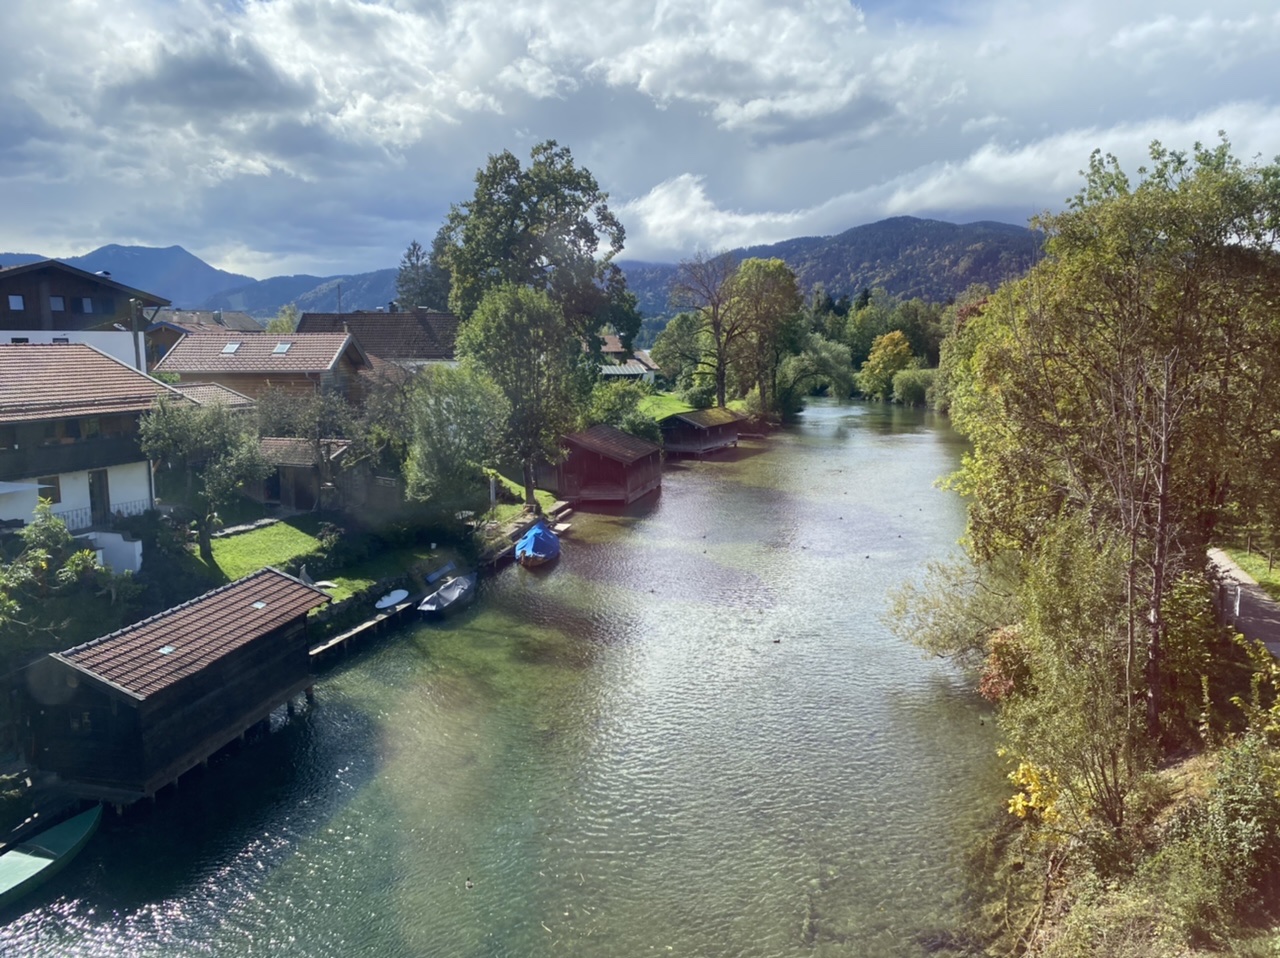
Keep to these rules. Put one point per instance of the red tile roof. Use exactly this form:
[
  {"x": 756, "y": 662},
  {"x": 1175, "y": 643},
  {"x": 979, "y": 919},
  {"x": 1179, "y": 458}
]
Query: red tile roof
[
  {"x": 153, "y": 654},
  {"x": 610, "y": 343},
  {"x": 418, "y": 335},
  {"x": 613, "y": 444},
  {"x": 283, "y": 451},
  {"x": 214, "y": 394},
  {"x": 197, "y": 319},
  {"x": 64, "y": 380},
  {"x": 203, "y": 352}
]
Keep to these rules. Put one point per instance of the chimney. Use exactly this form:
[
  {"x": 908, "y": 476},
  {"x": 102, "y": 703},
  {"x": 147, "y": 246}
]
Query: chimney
[{"x": 392, "y": 307}]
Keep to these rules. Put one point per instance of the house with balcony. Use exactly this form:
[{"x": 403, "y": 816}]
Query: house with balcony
[
  {"x": 52, "y": 303},
  {"x": 69, "y": 433}
]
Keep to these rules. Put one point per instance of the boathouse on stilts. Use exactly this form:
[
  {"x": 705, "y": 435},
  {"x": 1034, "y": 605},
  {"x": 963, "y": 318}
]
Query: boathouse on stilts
[
  {"x": 699, "y": 432},
  {"x": 123, "y": 716},
  {"x": 604, "y": 464}
]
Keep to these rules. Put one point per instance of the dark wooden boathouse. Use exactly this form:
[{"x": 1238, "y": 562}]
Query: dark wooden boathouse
[
  {"x": 122, "y": 716},
  {"x": 700, "y": 431},
  {"x": 604, "y": 464}
]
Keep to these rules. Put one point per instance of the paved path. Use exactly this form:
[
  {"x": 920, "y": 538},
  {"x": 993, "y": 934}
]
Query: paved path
[{"x": 1258, "y": 615}]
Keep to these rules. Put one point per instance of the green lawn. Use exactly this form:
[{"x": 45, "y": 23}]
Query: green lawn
[
  {"x": 1255, "y": 564},
  {"x": 660, "y": 405},
  {"x": 237, "y": 556}
]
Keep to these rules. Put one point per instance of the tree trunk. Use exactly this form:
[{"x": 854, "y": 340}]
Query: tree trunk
[
  {"x": 205, "y": 538},
  {"x": 529, "y": 483}
]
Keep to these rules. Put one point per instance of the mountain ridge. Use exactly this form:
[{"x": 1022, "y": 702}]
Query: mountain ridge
[{"x": 905, "y": 255}]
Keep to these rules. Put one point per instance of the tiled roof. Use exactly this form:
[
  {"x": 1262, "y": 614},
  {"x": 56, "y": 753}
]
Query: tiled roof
[
  {"x": 644, "y": 359},
  {"x": 613, "y": 444},
  {"x": 706, "y": 418},
  {"x": 189, "y": 319},
  {"x": 153, "y": 654},
  {"x": 214, "y": 394},
  {"x": 64, "y": 380},
  {"x": 418, "y": 335},
  {"x": 206, "y": 352},
  {"x": 283, "y": 451},
  {"x": 609, "y": 343}
]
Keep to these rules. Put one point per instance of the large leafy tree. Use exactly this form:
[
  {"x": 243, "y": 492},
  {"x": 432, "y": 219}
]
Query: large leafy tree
[
  {"x": 457, "y": 416},
  {"x": 519, "y": 338},
  {"x": 546, "y": 226},
  {"x": 890, "y": 354},
  {"x": 1130, "y": 379},
  {"x": 767, "y": 299},
  {"x": 214, "y": 449},
  {"x": 703, "y": 285}
]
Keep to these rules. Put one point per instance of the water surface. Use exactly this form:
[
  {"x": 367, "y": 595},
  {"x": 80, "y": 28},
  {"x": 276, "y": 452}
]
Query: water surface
[{"x": 694, "y": 735}]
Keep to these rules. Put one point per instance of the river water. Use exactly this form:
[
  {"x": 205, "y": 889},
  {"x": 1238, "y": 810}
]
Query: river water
[{"x": 692, "y": 736}]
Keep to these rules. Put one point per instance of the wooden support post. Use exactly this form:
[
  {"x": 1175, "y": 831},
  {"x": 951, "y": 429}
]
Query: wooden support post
[
  {"x": 310, "y": 693},
  {"x": 288, "y": 708}
]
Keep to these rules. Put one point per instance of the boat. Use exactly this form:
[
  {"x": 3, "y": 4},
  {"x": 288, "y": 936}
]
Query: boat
[
  {"x": 33, "y": 862},
  {"x": 537, "y": 546},
  {"x": 392, "y": 598},
  {"x": 455, "y": 592}
]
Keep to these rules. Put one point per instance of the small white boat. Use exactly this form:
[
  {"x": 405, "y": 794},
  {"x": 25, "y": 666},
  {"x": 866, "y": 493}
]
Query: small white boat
[
  {"x": 456, "y": 592},
  {"x": 39, "y": 858},
  {"x": 392, "y": 598}
]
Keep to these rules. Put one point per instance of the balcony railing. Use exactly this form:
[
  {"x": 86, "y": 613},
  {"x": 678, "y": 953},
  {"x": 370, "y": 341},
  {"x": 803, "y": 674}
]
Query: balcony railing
[
  {"x": 82, "y": 518},
  {"x": 81, "y": 456}
]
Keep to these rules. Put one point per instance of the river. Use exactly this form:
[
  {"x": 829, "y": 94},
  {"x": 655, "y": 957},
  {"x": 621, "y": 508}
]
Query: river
[{"x": 692, "y": 736}]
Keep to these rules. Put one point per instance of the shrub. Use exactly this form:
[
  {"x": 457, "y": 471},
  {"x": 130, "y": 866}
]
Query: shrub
[{"x": 911, "y": 386}]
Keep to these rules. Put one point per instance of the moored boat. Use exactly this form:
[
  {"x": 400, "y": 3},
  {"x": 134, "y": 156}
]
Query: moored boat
[
  {"x": 537, "y": 546},
  {"x": 455, "y": 593},
  {"x": 30, "y": 864}
]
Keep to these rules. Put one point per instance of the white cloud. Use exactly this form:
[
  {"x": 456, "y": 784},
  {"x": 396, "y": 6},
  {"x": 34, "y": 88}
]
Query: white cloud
[{"x": 324, "y": 131}]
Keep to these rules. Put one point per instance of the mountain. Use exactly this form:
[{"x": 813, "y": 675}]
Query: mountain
[
  {"x": 905, "y": 255},
  {"x": 170, "y": 272}
]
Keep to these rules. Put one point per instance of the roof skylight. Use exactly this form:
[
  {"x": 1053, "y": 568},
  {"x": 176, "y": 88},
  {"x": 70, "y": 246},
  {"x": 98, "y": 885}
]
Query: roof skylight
[
  {"x": 281, "y": 348},
  {"x": 230, "y": 348}
]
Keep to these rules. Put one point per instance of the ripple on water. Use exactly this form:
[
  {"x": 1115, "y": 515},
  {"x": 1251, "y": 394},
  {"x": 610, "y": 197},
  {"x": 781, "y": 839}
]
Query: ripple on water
[{"x": 616, "y": 753}]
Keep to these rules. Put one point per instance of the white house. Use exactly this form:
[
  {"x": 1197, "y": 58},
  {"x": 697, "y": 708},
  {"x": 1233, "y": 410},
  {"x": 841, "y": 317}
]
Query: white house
[{"x": 69, "y": 433}]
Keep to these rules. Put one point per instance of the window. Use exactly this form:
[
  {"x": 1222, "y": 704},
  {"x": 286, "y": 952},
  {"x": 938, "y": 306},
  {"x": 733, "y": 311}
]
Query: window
[
  {"x": 19, "y": 340},
  {"x": 107, "y": 304},
  {"x": 16, "y": 302},
  {"x": 281, "y": 348},
  {"x": 8, "y": 437},
  {"x": 61, "y": 341},
  {"x": 86, "y": 304},
  {"x": 50, "y": 488},
  {"x": 92, "y": 428},
  {"x": 230, "y": 348},
  {"x": 57, "y": 304}
]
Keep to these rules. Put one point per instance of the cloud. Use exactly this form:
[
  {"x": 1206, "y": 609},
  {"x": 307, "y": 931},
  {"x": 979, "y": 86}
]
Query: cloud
[{"x": 333, "y": 131}]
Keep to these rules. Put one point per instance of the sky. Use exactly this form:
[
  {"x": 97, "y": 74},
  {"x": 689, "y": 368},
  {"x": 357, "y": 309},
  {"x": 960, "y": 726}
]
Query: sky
[{"x": 322, "y": 136}]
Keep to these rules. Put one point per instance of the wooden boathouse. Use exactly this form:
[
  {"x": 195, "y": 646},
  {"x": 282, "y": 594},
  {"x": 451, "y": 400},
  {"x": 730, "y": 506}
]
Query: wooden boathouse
[
  {"x": 700, "y": 431},
  {"x": 604, "y": 464},
  {"x": 122, "y": 716}
]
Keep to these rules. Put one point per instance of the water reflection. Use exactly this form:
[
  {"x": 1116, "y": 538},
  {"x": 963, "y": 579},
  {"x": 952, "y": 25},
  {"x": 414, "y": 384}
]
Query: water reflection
[{"x": 691, "y": 735}]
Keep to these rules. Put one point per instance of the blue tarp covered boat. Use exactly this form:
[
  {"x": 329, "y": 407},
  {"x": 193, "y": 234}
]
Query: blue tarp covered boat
[{"x": 537, "y": 546}]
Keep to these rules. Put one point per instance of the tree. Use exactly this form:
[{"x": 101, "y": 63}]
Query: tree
[
  {"x": 319, "y": 417},
  {"x": 890, "y": 354},
  {"x": 423, "y": 279},
  {"x": 704, "y": 285},
  {"x": 214, "y": 450},
  {"x": 618, "y": 405},
  {"x": 518, "y": 337},
  {"x": 456, "y": 417},
  {"x": 767, "y": 298},
  {"x": 1131, "y": 378},
  {"x": 820, "y": 362},
  {"x": 285, "y": 321},
  {"x": 542, "y": 227},
  {"x": 680, "y": 349}
]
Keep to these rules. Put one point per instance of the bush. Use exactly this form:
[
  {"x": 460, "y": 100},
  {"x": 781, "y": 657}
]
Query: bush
[
  {"x": 911, "y": 386},
  {"x": 700, "y": 395}
]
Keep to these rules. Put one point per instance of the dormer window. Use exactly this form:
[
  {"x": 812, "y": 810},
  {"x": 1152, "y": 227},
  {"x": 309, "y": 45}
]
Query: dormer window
[
  {"x": 281, "y": 348},
  {"x": 230, "y": 348}
]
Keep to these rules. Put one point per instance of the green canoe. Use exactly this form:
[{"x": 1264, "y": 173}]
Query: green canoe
[{"x": 33, "y": 862}]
